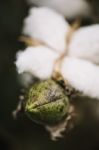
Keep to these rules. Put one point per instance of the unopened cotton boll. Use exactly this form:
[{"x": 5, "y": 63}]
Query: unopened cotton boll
[
  {"x": 38, "y": 61},
  {"x": 48, "y": 26},
  {"x": 68, "y": 8},
  {"x": 82, "y": 75},
  {"x": 85, "y": 43}
]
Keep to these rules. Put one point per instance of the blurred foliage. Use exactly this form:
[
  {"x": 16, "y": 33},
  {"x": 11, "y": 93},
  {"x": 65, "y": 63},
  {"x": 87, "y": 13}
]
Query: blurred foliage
[{"x": 23, "y": 134}]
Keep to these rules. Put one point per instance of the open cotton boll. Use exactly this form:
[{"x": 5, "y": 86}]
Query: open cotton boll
[
  {"x": 85, "y": 43},
  {"x": 68, "y": 8},
  {"x": 38, "y": 61},
  {"x": 47, "y": 25},
  {"x": 82, "y": 75}
]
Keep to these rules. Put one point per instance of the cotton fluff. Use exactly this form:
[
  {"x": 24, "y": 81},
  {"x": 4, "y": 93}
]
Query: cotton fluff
[
  {"x": 68, "y": 8},
  {"x": 47, "y": 25},
  {"x": 38, "y": 61},
  {"x": 82, "y": 75},
  {"x": 85, "y": 43}
]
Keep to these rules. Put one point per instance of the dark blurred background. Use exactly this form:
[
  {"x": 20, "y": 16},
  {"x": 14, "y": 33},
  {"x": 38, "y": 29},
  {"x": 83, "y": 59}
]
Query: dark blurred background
[{"x": 22, "y": 133}]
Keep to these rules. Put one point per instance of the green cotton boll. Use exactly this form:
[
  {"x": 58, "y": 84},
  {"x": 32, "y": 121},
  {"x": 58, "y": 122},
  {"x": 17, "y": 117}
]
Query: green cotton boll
[{"x": 46, "y": 102}]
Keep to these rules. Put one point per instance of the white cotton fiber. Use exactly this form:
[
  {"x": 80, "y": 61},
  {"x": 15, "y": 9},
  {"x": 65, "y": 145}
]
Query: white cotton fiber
[
  {"x": 47, "y": 25},
  {"x": 82, "y": 75},
  {"x": 68, "y": 8},
  {"x": 85, "y": 43},
  {"x": 38, "y": 61}
]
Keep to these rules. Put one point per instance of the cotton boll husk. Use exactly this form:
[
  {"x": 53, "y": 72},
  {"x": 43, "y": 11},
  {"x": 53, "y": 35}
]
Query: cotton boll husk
[
  {"x": 47, "y": 25},
  {"x": 38, "y": 61},
  {"x": 85, "y": 43},
  {"x": 68, "y": 8},
  {"x": 82, "y": 75}
]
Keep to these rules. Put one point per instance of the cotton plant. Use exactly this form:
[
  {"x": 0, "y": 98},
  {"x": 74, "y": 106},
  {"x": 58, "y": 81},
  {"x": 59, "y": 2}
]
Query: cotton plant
[{"x": 55, "y": 47}]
